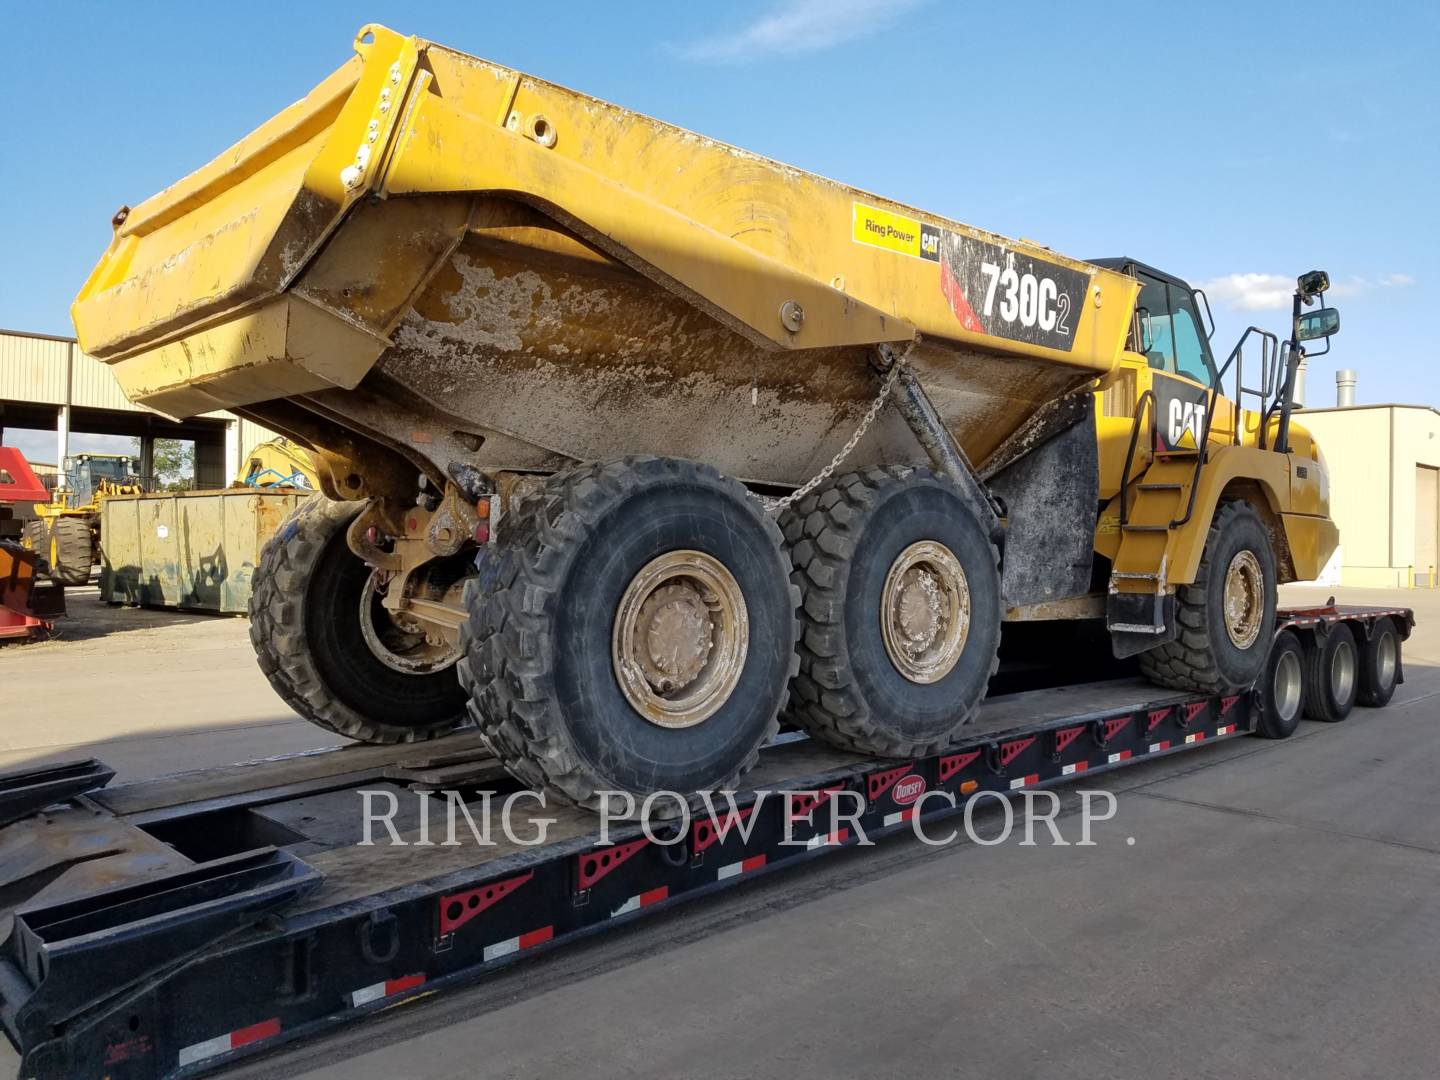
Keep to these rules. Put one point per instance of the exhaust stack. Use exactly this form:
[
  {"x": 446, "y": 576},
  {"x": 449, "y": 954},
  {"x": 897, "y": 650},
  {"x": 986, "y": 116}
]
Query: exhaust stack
[{"x": 1344, "y": 388}]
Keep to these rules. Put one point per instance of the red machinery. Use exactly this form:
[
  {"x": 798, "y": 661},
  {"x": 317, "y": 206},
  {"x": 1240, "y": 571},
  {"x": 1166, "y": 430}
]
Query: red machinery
[{"x": 26, "y": 605}]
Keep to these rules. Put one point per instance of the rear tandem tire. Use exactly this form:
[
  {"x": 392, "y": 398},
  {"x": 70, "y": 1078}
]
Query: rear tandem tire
[
  {"x": 1282, "y": 693},
  {"x": 1205, "y": 657},
  {"x": 1380, "y": 664},
  {"x": 849, "y": 545},
  {"x": 305, "y": 627},
  {"x": 1332, "y": 675},
  {"x": 667, "y": 548}
]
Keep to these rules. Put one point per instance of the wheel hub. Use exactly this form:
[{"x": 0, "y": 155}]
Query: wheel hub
[
  {"x": 397, "y": 640},
  {"x": 925, "y": 611},
  {"x": 1244, "y": 599},
  {"x": 680, "y": 639}
]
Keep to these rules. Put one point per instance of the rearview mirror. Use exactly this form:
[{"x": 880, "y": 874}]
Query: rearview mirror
[
  {"x": 1312, "y": 284},
  {"x": 1317, "y": 324}
]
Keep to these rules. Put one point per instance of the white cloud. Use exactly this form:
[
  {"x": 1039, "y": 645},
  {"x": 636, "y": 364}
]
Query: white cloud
[
  {"x": 1272, "y": 292},
  {"x": 798, "y": 26}
]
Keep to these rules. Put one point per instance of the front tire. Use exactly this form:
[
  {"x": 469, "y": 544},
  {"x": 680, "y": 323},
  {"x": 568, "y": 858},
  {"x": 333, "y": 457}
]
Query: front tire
[
  {"x": 72, "y": 545},
  {"x": 310, "y": 637},
  {"x": 1227, "y": 617},
  {"x": 637, "y": 633},
  {"x": 889, "y": 561}
]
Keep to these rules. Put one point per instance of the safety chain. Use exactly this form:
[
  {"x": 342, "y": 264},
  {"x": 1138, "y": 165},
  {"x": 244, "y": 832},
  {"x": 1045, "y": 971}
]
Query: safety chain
[{"x": 774, "y": 506}]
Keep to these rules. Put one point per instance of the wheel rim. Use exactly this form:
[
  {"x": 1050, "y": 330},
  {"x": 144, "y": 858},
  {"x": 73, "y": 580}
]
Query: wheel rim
[
  {"x": 1288, "y": 680},
  {"x": 1244, "y": 599},
  {"x": 925, "y": 612},
  {"x": 1386, "y": 659},
  {"x": 680, "y": 639},
  {"x": 401, "y": 648},
  {"x": 1342, "y": 671}
]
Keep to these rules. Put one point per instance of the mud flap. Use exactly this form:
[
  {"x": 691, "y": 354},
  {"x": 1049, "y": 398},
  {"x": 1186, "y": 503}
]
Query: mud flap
[
  {"x": 1131, "y": 617},
  {"x": 1051, "y": 494}
]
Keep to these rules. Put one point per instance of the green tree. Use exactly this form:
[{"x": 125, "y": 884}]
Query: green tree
[{"x": 172, "y": 463}]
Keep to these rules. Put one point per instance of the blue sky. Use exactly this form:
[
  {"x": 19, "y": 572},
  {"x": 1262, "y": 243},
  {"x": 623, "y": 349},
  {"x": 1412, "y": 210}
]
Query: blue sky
[{"x": 1235, "y": 146}]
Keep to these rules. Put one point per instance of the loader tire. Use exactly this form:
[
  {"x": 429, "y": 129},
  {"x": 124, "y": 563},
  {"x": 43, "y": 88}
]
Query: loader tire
[
  {"x": 73, "y": 551},
  {"x": 568, "y": 698},
  {"x": 1216, "y": 652},
  {"x": 34, "y": 537},
  {"x": 872, "y": 678},
  {"x": 305, "y": 627}
]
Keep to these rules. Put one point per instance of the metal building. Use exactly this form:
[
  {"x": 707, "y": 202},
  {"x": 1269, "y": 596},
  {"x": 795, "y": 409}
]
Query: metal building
[{"x": 47, "y": 382}]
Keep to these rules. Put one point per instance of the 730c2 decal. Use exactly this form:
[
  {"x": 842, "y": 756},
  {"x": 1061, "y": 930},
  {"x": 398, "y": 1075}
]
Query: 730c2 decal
[{"x": 992, "y": 289}]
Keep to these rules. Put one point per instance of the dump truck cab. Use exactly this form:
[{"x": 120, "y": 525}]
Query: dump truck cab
[{"x": 1177, "y": 445}]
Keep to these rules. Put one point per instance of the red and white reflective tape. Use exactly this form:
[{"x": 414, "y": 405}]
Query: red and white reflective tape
[
  {"x": 735, "y": 869},
  {"x": 1123, "y": 755},
  {"x": 1226, "y": 730},
  {"x": 644, "y": 899},
  {"x": 231, "y": 1040},
  {"x": 903, "y": 815},
  {"x": 1156, "y": 747},
  {"x": 390, "y": 987},
  {"x": 1023, "y": 781},
  {"x": 1072, "y": 769},
  {"x": 515, "y": 944},
  {"x": 839, "y": 836},
  {"x": 1195, "y": 736}
]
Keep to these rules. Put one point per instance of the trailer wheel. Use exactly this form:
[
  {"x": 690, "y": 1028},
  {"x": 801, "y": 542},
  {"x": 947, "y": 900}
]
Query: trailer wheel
[
  {"x": 324, "y": 653},
  {"x": 1282, "y": 693},
  {"x": 1226, "y": 618},
  {"x": 1332, "y": 675},
  {"x": 1379, "y": 664},
  {"x": 71, "y": 545},
  {"x": 900, "y": 611},
  {"x": 637, "y": 633}
]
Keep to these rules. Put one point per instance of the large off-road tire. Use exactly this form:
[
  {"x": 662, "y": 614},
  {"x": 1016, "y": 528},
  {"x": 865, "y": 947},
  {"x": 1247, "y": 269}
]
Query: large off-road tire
[
  {"x": 885, "y": 666},
  {"x": 305, "y": 625},
  {"x": 73, "y": 549},
  {"x": 34, "y": 537},
  {"x": 600, "y": 565},
  {"x": 1222, "y": 648}
]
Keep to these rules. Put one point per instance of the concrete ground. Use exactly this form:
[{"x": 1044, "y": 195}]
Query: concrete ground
[{"x": 1277, "y": 913}]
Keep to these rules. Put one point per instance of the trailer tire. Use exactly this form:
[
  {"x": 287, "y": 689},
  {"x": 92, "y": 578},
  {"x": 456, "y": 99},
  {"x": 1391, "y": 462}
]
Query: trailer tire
[
  {"x": 1380, "y": 664},
  {"x": 306, "y": 632},
  {"x": 1282, "y": 694},
  {"x": 1205, "y": 656},
  {"x": 1332, "y": 673},
  {"x": 558, "y": 689},
  {"x": 74, "y": 551},
  {"x": 858, "y": 687}
]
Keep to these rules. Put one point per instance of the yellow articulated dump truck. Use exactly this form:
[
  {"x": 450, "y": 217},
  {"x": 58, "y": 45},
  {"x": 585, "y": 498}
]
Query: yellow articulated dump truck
[{"x": 632, "y": 443}]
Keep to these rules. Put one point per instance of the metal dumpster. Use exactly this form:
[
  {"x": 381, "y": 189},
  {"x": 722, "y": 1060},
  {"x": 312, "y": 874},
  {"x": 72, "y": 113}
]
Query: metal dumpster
[{"x": 188, "y": 549}]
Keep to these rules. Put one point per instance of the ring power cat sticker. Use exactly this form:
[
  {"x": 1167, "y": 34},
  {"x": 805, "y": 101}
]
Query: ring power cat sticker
[
  {"x": 896, "y": 232},
  {"x": 1010, "y": 294},
  {"x": 1180, "y": 409},
  {"x": 991, "y": 289}
]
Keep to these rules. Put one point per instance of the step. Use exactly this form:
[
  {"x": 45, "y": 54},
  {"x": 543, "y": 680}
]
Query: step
[
  {"x": 1160, "y": 487},
  {"x": 1136, "y": 628},
  {"x": 1134, "y": 575},
  {"x": 1131, "y": 527}
]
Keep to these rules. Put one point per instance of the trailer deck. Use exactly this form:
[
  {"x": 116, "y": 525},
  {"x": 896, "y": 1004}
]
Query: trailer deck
[{"x": 171, "y": 926}]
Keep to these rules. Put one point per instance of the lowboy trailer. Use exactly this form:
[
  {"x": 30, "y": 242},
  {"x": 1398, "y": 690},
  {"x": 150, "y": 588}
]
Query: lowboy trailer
[{"x": 171, "y": 926}]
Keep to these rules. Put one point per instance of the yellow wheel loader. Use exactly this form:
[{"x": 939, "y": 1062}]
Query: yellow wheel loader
[
  {"x": 66, "y": 531},
  {"x": 632, "y": 442}
]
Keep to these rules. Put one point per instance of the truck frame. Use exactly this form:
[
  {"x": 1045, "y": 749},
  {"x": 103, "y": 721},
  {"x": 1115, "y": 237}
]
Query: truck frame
[{"x": 171, "y": 926}]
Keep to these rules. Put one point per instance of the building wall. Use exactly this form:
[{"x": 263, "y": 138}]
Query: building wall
[{"x": 1372, "y": 452}]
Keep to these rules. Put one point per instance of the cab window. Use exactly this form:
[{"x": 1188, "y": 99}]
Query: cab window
[{"x": 1170, "y": 328}]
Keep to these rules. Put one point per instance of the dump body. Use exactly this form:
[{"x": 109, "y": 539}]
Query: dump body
[{"x": 457, "y": 261}]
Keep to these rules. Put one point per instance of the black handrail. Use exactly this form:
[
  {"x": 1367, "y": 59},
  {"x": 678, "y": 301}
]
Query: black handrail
[{"x": 1148, "y": 397}]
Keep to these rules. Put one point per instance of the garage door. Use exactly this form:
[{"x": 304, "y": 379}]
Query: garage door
[{"x": 1427, "y": 524}]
